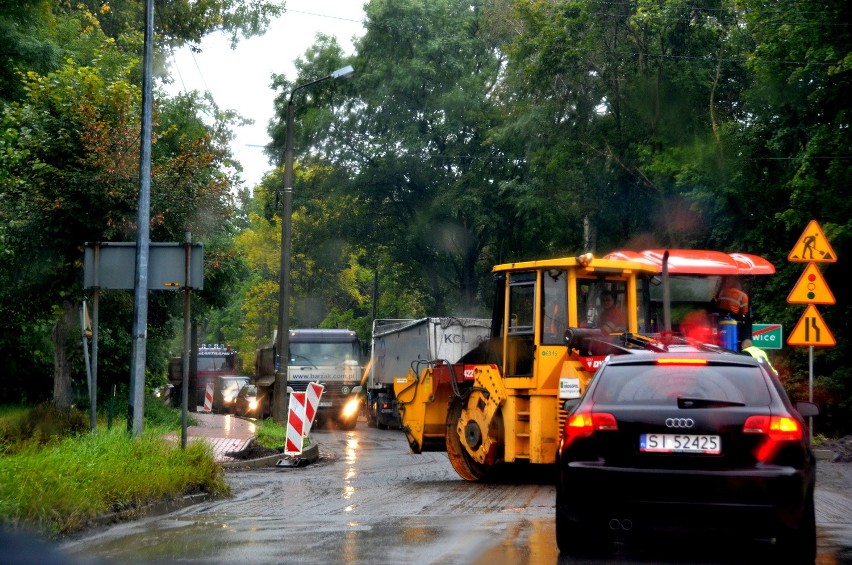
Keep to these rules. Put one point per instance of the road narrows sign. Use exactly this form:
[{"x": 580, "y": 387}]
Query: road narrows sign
[
  {"x": 811, "y": 288},
  {"x": 811, "y": 330}
]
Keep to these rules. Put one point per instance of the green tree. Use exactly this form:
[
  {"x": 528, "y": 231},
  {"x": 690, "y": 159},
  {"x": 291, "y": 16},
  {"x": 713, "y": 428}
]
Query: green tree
[
  {"x": 410, "y": 160},
  {"x": 793, "y": 166},
  {"x": 69, "y": 175},
  {"x": 615, "y": 110},
  {"x": 25, "y": 37}
]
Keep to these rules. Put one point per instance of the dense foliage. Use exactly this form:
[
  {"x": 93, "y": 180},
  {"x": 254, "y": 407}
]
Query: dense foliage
[
  {"x": 70, "y": 113},
  {"x": 488, "y": 131}
]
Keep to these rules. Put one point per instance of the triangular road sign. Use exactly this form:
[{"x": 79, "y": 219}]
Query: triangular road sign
[
  {"x": 811, "y": 288},
  {"x": 812, "y": 247},
  {"x": 811, "y": 330}
]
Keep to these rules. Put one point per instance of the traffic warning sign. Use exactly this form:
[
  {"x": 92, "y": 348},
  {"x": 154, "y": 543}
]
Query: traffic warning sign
[
  {"x": 812, "y": 247},
  {"x": 811, "y": 288},
  {"x": 811, "y": 330}
]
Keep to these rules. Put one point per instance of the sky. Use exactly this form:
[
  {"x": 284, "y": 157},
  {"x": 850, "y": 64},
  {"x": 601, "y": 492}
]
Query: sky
[{"x": 241, "y": 79}]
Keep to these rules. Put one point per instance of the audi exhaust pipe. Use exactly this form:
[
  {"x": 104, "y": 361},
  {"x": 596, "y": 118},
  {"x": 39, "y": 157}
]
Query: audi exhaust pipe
[{"x": 621, "y": 525}]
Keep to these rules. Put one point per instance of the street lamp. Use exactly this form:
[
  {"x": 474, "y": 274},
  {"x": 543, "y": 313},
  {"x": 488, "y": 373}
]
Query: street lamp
[{"x": 283, "y": 345}]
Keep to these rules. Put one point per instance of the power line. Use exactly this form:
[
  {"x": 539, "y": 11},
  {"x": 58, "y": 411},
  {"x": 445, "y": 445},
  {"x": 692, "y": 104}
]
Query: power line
[{"x": 326, "y": 16}]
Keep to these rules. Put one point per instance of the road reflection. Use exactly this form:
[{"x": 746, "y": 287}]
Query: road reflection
[
  {"x": 533, "y": 543},
  {"x": 351, "y": 472}
]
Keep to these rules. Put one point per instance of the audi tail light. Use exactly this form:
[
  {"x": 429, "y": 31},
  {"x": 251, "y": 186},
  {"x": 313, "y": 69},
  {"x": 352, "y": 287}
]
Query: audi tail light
[
  {"x": 584, "y": 424},
  {"x": 777, "y": 429}
]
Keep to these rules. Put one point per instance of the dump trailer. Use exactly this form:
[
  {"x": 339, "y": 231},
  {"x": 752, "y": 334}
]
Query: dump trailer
[
  {"x": 400, "y": 343},
  {"x": 502, "y": 403}
]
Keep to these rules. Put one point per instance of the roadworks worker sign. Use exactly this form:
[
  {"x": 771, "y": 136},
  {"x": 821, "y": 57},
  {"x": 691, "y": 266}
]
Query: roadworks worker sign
[{"x": 812, "y": 247}]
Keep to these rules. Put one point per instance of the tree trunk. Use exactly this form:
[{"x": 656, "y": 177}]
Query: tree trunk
[{"x": 62, "y": 331}]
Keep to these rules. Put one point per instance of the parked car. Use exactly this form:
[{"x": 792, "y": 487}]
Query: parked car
[
  {"x": 225, "y": 390},
  {"x": 249, "y": 403},
  {"x": 694, "y": 442}
]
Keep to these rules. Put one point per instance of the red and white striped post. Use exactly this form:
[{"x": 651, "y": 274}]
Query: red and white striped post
[
  {"x": 312, "y": 399},
  {"x": 295, "y": 424},
  {"x": 208, "y": 398}
]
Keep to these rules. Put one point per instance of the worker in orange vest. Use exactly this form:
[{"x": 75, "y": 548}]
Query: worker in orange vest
[{"x": 732, "y": 298}]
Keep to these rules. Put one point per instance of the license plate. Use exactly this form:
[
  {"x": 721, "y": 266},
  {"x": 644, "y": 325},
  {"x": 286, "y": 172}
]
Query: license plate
[
  {"x": 680, "y": 443},
  {"x": 325, "y": 404}
]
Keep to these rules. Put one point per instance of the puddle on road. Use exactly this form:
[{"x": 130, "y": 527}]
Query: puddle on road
[{"x": 531, "y": 541}]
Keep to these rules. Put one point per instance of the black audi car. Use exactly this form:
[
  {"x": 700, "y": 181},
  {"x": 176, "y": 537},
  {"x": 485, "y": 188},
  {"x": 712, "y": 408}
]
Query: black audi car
[{"x": 692, "y": 442}]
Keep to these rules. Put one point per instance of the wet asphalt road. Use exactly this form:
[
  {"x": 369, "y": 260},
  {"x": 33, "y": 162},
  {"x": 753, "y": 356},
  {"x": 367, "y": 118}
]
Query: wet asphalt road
[{"x": 368, "y": 500}]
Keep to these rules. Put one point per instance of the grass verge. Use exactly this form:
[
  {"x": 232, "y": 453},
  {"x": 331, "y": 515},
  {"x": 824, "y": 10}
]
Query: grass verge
[{"x": 57, "y": 482}]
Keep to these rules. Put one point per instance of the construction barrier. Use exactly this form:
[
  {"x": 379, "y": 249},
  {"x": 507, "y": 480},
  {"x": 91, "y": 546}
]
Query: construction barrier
[
  {"x": 300, "y": 416},
  {"x": 295, "y": 424},
  {"x": 208, "y": 398},
  {"x": 312, "y": 398}
]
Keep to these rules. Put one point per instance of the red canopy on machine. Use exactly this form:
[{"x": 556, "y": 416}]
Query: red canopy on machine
[{"x": 699, "y": 261}]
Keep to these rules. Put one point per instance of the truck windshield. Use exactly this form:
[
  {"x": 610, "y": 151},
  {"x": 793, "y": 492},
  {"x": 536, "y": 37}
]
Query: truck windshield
[
  {"x": 322, "y": 353},
  {"x": 214, "y": 363}
]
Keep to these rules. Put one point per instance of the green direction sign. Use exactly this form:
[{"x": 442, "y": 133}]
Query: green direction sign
[{"x": 767, "y": 336}]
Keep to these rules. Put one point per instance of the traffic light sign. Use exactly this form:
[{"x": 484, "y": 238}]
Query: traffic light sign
[{"x": 811, "y": 288}]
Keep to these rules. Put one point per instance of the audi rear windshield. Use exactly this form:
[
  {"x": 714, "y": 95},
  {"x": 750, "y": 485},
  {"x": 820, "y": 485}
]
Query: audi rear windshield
[{"x": 664, "y": 384}]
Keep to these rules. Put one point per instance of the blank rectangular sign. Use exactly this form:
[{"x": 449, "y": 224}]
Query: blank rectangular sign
[{"x": 166, "y": 266}]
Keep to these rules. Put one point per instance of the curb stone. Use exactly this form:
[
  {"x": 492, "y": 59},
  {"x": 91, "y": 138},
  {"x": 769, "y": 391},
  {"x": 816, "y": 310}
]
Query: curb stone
[
  {"x": 310, "y": 454},
  {"x": 153, "y": 509}
]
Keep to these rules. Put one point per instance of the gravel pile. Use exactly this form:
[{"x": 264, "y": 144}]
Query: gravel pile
[{"x": 842, "y": 448}]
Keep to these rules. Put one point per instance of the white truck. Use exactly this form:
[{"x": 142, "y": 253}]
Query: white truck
[
  {"x": 399, "y": 344},
  {"x": 330, "y": 357}
]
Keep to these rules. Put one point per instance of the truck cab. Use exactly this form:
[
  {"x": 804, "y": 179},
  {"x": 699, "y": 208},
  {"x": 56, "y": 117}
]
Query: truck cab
[{"x": 332, "y": 358}]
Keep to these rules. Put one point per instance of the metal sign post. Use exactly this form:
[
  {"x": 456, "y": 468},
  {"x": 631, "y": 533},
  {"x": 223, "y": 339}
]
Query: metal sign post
[
  {"x": 812, "y": 247},
  {"x": 187, "y": 340},
  {"x": 112, "y": 266}
]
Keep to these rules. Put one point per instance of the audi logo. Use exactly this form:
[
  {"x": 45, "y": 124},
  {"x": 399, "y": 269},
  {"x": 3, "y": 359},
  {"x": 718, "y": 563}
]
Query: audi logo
[{"x": 679, "y": 422}]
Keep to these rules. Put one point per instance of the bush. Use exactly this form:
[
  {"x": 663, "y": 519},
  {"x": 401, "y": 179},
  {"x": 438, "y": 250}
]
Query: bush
[{"x": 40, "y": 426}]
